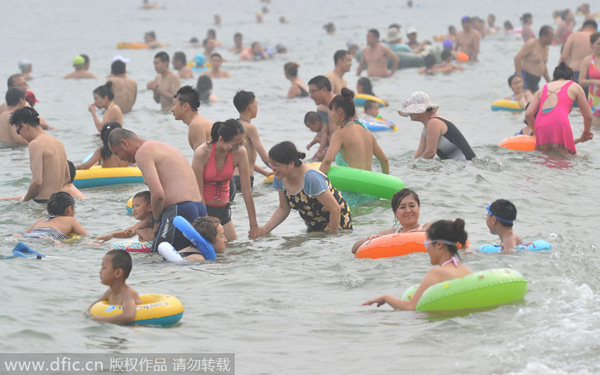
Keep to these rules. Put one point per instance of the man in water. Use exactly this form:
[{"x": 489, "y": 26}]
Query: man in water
[
  {"x": 578, "y": 47},
  {"x": 166, "y": 83},
  {"x": 80, "y": 72},
  {"x": 238, "y": 43},
  {"x": 15, "y": 99},
  {"x": 530, "y": 62},
  {"x": 209, "y": 46},
  {"x": 47, "y": 156},
  {"x": 180, "y": 64},
  {"x": 170, "y": 179},
  {"x": 150, "y": 40},
  {"x": 123, "y": 87},
  {"x": 468, "y": 39},
  {"x": 185, "y": 108},
  {"x": 343, "y": 62},
  {"x": 216, "y": 60},
  {"x": 15, "y": 81},
  {"x": 375, "y": 57},
  {"x": 319, "y": 89}
]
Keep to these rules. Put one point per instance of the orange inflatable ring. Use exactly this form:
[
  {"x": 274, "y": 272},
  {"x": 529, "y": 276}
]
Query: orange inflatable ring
[
  {"x": 462, "y": 57},
  {"x": 131, "y": 45},
  {"x": 519, "y": 143},
  {"x": 392, "y": 245}
]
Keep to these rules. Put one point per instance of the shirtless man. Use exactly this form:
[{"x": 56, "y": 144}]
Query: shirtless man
[
  {"x": 578, "y": 46},
  {"x": 238, "y": 43},
  {"x": 185, "y": 108},
  {"x": 150, "y": 40},
  {"x": 375, "y": 56},
  {"x": 166, "y": 83},
  {"x": 170, "y": 179},
  {"x": 15, "y": 99},
  {"x": 180, "y": 64},
  {"x": 47, "y": 156},
  {"x": 530, "y": 62},
  {"x": 123, "y": 87},
  {"x": 80, "y": 71},
  {"x": 15, "y": 81},
  {"x": 319, "y": 89},
  {"x": 467, "y": 40},
  {"x": 246, "y": 104},
  {"x": 209, "y": 46},
  {"x": 343, "y": 62},
  {"x": 216, "y": 60}
]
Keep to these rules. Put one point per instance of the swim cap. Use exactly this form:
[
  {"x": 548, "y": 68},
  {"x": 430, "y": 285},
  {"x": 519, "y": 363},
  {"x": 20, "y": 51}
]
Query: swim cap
[
  {"x": 448, "y": 44},
  {"x": 78, "y": 60},
  {"x": 200, "y": 59},
  {"x": 24, "y": 64}
]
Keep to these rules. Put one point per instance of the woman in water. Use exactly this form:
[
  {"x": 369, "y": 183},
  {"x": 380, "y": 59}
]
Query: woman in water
[
  {"x": 298, "y": 87},
  {"x": 306, "y": 190},
  {"x": 590, "y": 77},
  {"x": 442, "y": 239},
  {"x": 211, "y": 229},
  {"x": 103, "y": 154},
  {"x": 213, "y": 165},
  {"x": 103, "y": 99},
  {"x": 204, "y": 87},
  {"x": 439, "y": 136},
  {"x": 548, "y": 113},
  {"x": 364, "y": 86},
  {"x": 60, "y": 221},
  {"x": 353, "y": 145},
  {"x": 523, "y": 97},
  {"x": 406, "y": 207}
]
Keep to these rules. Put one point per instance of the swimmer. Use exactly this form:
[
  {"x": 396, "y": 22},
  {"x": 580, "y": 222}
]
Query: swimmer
[
  {"x": 60, "y": 221},
  {"x": 298, "y": 88},
  {"x": 371, "y": 109},
  {"x": 209, "y": 46},
  {"x": 256, "y": 53},
  {"x": 217, "y": 19},
  {"x": 211, "y": 229},
  {"x": 501, "y": 215},
  {"x": 375, "y": 57},
  {"x": 79, "y": 63},
  {"x": 468, "y": 39},
  {"x": 180, "y": 64},
  {"x": 442, "y": 239},
  {"x": 25, "y": 67},
  {"x": 406, "y": 207},
  {"x": 343, "y": 62},
  {"x": 578, "y": 47},
  {"x": 491, "y": 24},
  {"x": 150, "y": 40},
  {"x": 527, "y": 32},
  {"x": 104, "y": 99},
  {"x": 238, "y": 43},
  {"x": 141, "y": 211},
  {"x": 530, "y": 62},
  {"x": 204, "y": 88},
  {"x": 124, "y": 88},
  {"x": 212, "y": 35},
  {"x": 69, "y": 187},
  {"x": 15, "y": 99},
  {"x": 15, "y": 81},
  {"x": 166, "y": 83},
  {"x": 185, "y": 108},
  {"x": 520, "y": 95},
  {"x": 329, "y": 28},
  {"x": 364, "y": 86},
  {"x": 313, "y": 121},
  {"x": 215, "y": 72},
  {"x": 102, "y": 154},
  {"x": 116, "y": 266},
  {"x": 319, "y": 90},
  {"x": 199, "y": 63}
]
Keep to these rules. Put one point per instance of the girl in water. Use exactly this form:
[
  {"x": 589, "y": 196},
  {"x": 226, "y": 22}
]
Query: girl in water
[
  {"x": 204, "y": 87},
  {"x": 406, "y": 207},
  {"x": 103, "y": 99},
  {"x": 442, "y": 239},
  {"x": 298, "y": 87},
  {"x": 60, "y": 221},
  {"x": 103, "y": 154},
  {"x": 520, "y": 95}
]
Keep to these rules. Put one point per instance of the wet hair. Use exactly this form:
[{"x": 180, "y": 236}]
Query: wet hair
[
  {"x": 506, "y": 210},
  {"x": 105, "y": 152},
  {"x": 320, "y": 82},
  {"x": 508, "y": 25},
  {"x": 105, "y": 90},
  {"x": 243, "y": 99},
  {"x": 510, "y": 79},
  {"x": 451, "y": 28},
  {"x": 117, "y": 135},
  {"x": 312, "y": 117},
  {"x": 86, "y": 58},
  {"x": 207, "y": 227},
  {"x": 203, "y": 85},
  {"x": 59, "y": 202},
  {"x": 187, "y": 94},
  {"x": 562, "y": 71},
  {"x": 216, "y": 55},
  {"x": 345, "y": 101},
  {"x": 145, "y": 195},
  {"x": 151, "y": 34},
  {"x": 72, "y": 171},
  {"x": 429, "y": 61},
  {"x": 25, "y": 115},
  {"x": 400, "y": 195},
  {"x": 286, "y": 153},
  {"x": 212, "y": 33},
  {"x": 590, "y": 23},
  {"x": 366, "y": 85},
  {"x": 237, "y": 35},
  {"x": 594, "y": 37},
  {"x": 162, "y": 56},
  {"x": 226, "y": 129},
  {"x": 526, "y": 17},
  {"x": 374, "y": 32},
  {"x": 13, "y": 96},
  {"x": 117, "y": 67},
  {"x": 446, "y": 54},
  {"x": 329, "y": 27},
  {"x": 369, "y": 104},
  {"x": 545, "y": 30},
  {"x": 121, "y": 259},
  {"x": 447, "y": 230},
  {"x": 291, "y": 69},
  {"x": 180, "y": 56},
  {"x": 10, "y": 83},
  {"x": 339, "y": 55}
]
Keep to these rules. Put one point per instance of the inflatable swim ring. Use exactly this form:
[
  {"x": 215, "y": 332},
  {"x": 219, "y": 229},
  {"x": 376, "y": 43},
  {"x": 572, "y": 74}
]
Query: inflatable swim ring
[
  {"x": 478, "y": 290},
  {"x": 360, "y": 99},
  {"x": 131, "y": 45},
  {"x": 506, "y": 105},
  {"x": 98, "y": 176},
  {"x": 519, "y": 143},
  {"x": 375, "y": 124},
  {"x": 462, "y": 57},
  {"x": 392, "y": 245},
  {"x": 157, "y": 309},
  {"x": 539, "y": 245},
  {"x": 132, "y": 246},
  {"x": 366, "y": 182},
  {"x": 269, "y": 179},
  {"x": 207, "y": 250},
  {"x": 169, "y": 253},
  {"x": 129, "y": 206}
]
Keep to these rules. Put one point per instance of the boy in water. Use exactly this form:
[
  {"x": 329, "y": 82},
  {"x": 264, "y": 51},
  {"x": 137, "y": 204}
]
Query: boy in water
[
  {"x": 142, "y": 211},
  {"x": 313, "y": 121},
  {"x": 501, "y": 215},
  {"x": 116, "y": 266},
  {"x": 372, "y": 109}
]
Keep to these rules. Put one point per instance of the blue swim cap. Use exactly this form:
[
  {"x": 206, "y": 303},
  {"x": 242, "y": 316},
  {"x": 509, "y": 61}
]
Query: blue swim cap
[
  {"x": 200, "y": 59},
  {"x": 448, "y": 44}
]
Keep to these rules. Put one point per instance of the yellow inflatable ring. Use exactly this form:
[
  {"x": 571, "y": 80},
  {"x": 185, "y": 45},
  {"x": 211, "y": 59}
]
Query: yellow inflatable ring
[
  {"x": 98, "y": 176},
  {"x": 157, "y": 309}
]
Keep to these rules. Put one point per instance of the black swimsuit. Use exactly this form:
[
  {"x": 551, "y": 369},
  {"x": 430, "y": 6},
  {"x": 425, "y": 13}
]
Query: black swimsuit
[{"x": 303, "y": 93}]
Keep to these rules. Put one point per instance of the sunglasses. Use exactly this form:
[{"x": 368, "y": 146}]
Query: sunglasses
[
  {"x": 236, "y": 147},
  {"x": 176, "y": 96}
]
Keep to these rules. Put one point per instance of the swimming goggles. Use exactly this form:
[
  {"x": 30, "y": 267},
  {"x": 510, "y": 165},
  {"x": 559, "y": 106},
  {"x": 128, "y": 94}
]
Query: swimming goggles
[
  {"x": 429, "y": 242},
  {"x": 497, "y": 217}
]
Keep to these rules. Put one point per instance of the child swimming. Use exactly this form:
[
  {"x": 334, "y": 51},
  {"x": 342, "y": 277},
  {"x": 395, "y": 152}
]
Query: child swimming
[
  {"x": 116, "y": 266},
  {"x": 313, "y": 121},
  {"x": 60, "y": 221},
  {"x": 211, "y": 229},
  {"x": 372, "y": 110},
  {"x": 501, "y": 215},
  {"x": 142, "y": 211},
  {"x": 442, "y": 239}
]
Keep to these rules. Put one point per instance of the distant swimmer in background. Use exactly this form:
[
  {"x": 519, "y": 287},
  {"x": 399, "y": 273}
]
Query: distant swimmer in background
[
  {"x": 215, "y": 71},
  {"x": 578, "y": 47},
  {"x": 298, "y": 88},
  {"x": 199, "y": 63},
  {"x": 150, "y": 40},
  {"x": 375, "y": 57},
  {"x": 342, "y": 64},
  {"x": 406, "y": 207},
  {"x": 104, "y": 99},
  {"x": 141, "y": 211},
  {"x": 17, "y": 81},
  {"x": 80, "y": 71},
  {"x": 590, "y": 67},
  {"x": 527, "y": 32},
  {"x": 530, "y": 62},
  {"x": 166, "y": 83},
  {"x": 204, "y": 87},
  {"x": 521, "y": 95},
  {"x": 255, "y": 53},
  {"x": 501, "y": 215},
  {"x": 146, "y": 4},
  {"x": 313, "y": 121},
  {"x": 446, "y": 66},
  {"x": 468, "y": 39},
  {"x": 413, "y": 43},
  {"x": 211, "y": 229},
  {"x": 491, "y": 24},
  {"x": 103, "y": 155},
  {"x": 124, "y": 88},
  {"x": 212, "y": 35},
  {"x": 26, "y": 68},
  {"x": 180, "y": 64},
  {"x": 238, "y": 43},
  {"x": 209, "y": 46},
  {"x": 15, "y": 99},
  {"x": 185, "y": 108}
]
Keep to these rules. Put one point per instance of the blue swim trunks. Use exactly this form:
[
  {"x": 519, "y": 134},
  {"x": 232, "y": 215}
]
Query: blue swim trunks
[{"x": 167, "y": 231}]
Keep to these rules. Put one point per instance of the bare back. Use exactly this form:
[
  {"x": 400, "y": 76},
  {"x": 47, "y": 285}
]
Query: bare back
[
  {"x": 125, "y": 90},
  {"x": 576, "y": 49},
  {"x": 199, "y": 131},
  {"x": 55, "y": 171},
  {"x": 8, "y": 134},
  {"x": 357, "y": 146}
]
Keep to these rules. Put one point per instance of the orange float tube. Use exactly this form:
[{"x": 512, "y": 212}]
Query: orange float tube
[
  {"x": 519, "y": 143},
  {"x": 392, "y": 245},
  {"x": 462, "y": 57}
]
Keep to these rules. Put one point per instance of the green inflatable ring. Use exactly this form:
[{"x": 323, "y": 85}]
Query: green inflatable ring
[
  {"x": 365, "y": 182},
  {"x": 478, "y": 290}
]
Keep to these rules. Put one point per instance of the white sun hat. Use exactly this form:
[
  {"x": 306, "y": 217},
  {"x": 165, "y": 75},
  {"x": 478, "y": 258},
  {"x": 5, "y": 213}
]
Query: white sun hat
[{"x": 418, "y": 102}]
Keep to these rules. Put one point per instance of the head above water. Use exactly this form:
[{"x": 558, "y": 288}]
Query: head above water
[
  {"x": 162, "y": 56},
  {"x": 320, "y": 82},
  {"x": 17, "y": 80},
  {"x": 180, "y": 58},
  {"x": 339, "y": 55},
  {"x": 105, "y": 152},
  {"x": 207, "y": 227},
  {"x": 286, "y": 153},
  {"x": 243, "y": 99},
  {"x": 145, "y": 195},
  {"x": 526, "y": 18},
  {"x": 400, "y": 195},
  {"x": 367, "y": 86},
  {"x": 59, "y": 202},
  {"x": 121, "y": 260},
  {"x": 105, "y": 91},
  {"x": 344, "y": 101},
  {"x": 562, "y": 71},
  {"x": 451, "y": 232},
  {"x": 187, "y": 94},
  {"x": 203, "y": 85},
  {"x": 226, "y": 130},
  {"x": 291, "y": 69},
  {"x": 118, "y": 67},
  {"x": 504, "y": 211},
  {"x": 25, "y": 115},
  {"x": 14, "y": 96}
]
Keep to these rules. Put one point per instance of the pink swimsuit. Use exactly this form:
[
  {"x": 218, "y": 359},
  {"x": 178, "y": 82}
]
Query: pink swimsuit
[{"x": 552, "y": 126}]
